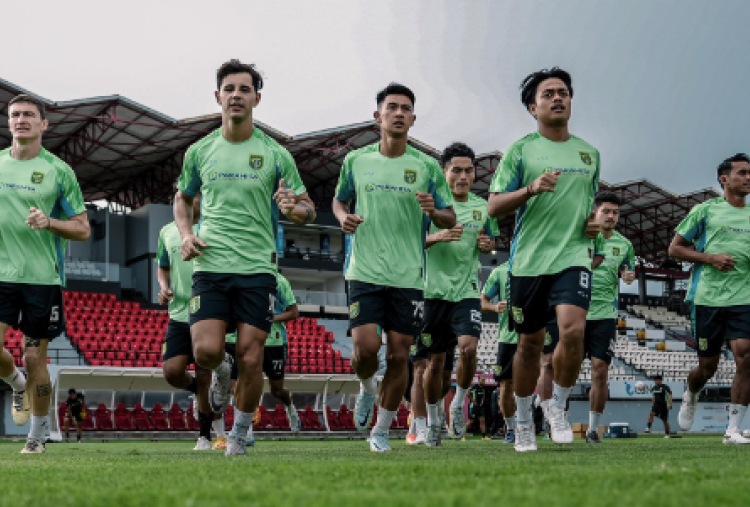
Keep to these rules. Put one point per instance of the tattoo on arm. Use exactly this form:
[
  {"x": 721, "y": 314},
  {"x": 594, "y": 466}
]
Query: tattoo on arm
[
  {"x": 43, "y": 390},
  {"x": 32, "y": 342},
  {"x": 308, "y": 210}
]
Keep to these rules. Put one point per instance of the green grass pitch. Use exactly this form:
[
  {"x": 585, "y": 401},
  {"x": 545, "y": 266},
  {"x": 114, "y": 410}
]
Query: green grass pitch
[{"x": 695, "y": 470}]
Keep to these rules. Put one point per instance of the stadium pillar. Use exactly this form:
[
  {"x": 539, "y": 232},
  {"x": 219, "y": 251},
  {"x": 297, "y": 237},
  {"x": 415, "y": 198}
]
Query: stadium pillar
[{"x": 642, "y": 285}]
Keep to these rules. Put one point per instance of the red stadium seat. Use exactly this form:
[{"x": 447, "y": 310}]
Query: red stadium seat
[
  {"x": 280, "y": 419},
  {"x": 346, "y": 419},
  {"x": 140, "y": 419},
  {"x": 333, "y": 419},
  {"x": 310, "y": 420},
  {"x": 192, "y": 423},
  {"x": 103, "y": 417},
  {"x": 159, "y": 418},
  {"x": 229, "y": 418},
  {"x": 177, "y": 418},
  {"x": 123, "y": 421},
  {"x": 265, "y": 421},
  {"x": 402, "y": 416}
]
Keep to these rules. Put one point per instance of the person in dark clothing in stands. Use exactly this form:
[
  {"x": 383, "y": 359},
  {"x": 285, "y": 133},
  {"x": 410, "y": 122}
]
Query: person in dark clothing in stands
[
  {"x": 480, "y": 399},
  {"x": 661, "y": 396},
  {"x": 74, "y": 412}
]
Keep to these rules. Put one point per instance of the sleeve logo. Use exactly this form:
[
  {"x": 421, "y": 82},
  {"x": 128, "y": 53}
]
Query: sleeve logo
[
  {"x": 410, "y": 176},
  {"x": 477, "y": 215},
  {"x": 37, "y": 177},
  {"x": 354, "y": 310},
  {"x": 585, "y": 157},
  {"x": 256, "y": 161}
]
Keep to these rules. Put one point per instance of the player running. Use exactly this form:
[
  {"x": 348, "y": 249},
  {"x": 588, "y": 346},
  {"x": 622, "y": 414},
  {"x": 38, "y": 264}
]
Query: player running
[
  {"x": 715, "y": 236},
  {"x": 661, "y": 404},
  {"x": 550, "y": 178},
  {"x": 398, "y": 189},
  {"x": 42, "y": 207},
  {"x": 246, "y": 180},
  {"x": 417, "y": 433},
  {"x": 74, "y": 414},
  {"x": 497, "y": 286},
  {"x": 175, "y": 277}
]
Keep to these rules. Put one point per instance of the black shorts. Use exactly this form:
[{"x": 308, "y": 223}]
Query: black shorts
[
  {"x": 231, "y": 298},
  {"x": 76, "y": 416},
  {"x": 274, "y": 361},
  {"x": 598, "y": 339},
  {"x": 392, "y": 308},
  {"x": 661, "y": 412},
  {"x": 177, "y": 342},
  {"x": 712, "y": 325},
  {"x": 551, "y": 337},
  {"x": 35, "y": 310},
  {"x": 450, "y": 358},
  {"x": 533, "y": 298},
  {"x": 504, "y": 364},
  {"x": 444, "y": 322}
]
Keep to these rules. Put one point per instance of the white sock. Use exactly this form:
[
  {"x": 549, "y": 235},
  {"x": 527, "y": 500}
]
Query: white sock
[
  {"x": 39, "y": 425},
  {"x": 413, "y": 425},
  {"x": 594, "y": 418},
  {"x": 545, "y": 407},
  {"x": 560, "y": 395},
  {"x": 385, "y": 418},
  {"x": 243, "y": 422},
  {"x": 692, "y": 397},
  {"x": 16, "y": 380},
  {"x": 458, "y": 400},
  {"x": 250, "y": 433},
  {"x": 432, "y": 414},
  {"x": 369, "y": 385},
  {"x": 523, "y": 409},
  {"x": 510, "y": 423},
  {"x": 219, "y": 429},
  {"x": 421, "y": 423},
  {"x": 736, "y": 415}
]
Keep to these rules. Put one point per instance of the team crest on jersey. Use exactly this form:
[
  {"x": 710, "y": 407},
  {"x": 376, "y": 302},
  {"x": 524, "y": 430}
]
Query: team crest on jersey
[
  {"x": 703, "y": 344},
  {"x": 585, "y": 157},
  {"x": 477, "y": 215},
  {"x": 37, "y": 177},
  {"x": 354, "y": 310},
  {"x": 518, "y": 314},
  {"x": 256, "y": 161},
  {"x": 369, "y": 187},
  {"x": 548, "y": 170},
  {"x": 213, "y": 176},
  {"x": 195, "y": 304},
  {"x": 410, "y": 176},
  {"x": 427, "y": 339},
  {"x": 615, "y": 251}
]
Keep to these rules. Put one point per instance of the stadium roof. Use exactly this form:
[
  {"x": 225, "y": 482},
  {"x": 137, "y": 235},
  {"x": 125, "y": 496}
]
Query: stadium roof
[{"x": 130, "y": 155}]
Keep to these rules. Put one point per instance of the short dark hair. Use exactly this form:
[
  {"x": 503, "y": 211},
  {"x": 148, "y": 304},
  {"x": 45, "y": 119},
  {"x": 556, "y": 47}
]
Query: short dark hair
[
  {"x": 531, "y": 82},
  {"x": 658, "y": 377},
  {"x": 235, "y": 66},
  {"x": 726, "y": 166},
  {"x": 609, "y": 197},
  {"x": 29, "y": 100},
  {"x": 395, "y": 89},
  {"x": 71, "y": 391},
  {"x": 456, "y": 150}
]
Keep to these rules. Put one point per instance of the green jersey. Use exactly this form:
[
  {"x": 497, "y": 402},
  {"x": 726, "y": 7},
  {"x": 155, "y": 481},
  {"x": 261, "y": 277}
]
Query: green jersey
[
  {"x": 717, "y": 227},
  {"x": 388, "y": 247},
  {"x": 284, "y": 299},
  {"x": 239, "y": 216},
  {"x": 452, "y": 273},
  {"x": 48, "y": 184},
  {"x": 498, "y": 286},
  {"x": 180, "y": 272},
  {"x": 550, "y": 230},
  {"x": 605, "y": 287}
]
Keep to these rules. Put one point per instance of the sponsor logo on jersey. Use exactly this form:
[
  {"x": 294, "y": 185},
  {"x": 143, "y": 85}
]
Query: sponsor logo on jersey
[
  {"x": 37, "y": 177},
  {"x": 518, "y": 314},
  {"x": 410, "y": 176},
  {"x": 615, "y": 251},
  {"x": 477, "y": 214},
  {"x": 354, "y": 310},
  {"x": 585, "y": 157},
  {"x": 427, "y": 339},
  {"x": 195, "y": 304},
  {"x": 256, "y": 161},
  {"x": 703, "y": 344}
]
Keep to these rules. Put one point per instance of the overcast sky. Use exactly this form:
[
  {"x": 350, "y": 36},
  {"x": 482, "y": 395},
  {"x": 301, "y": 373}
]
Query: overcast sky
[{"x": 661, "y": 87}]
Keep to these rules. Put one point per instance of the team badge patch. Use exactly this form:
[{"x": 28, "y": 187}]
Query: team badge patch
[
  {"x": 585, "y": 157},
  {"x": 369, "y": 187},
  {"x": 164, "y": 349},
  {"x": 498, "y": 370},
  {"x": 412, "y": 350},
  {"x": 410, "y": 176},
  {"x": 703, "y": 344},
  {"x": 427, "y": 339},
  {"x": 256, "y": 161},
  {"x": 195, "y": 304},
  {"x": 518, "y": 314},
  {"x": 37, "y": 178},
  {"x": 354, "y": 310},
  {"x": 615, "y": 251},
  {"x": 547, "y": 339},
  {"x": 477, "y": 215},
  {"x": 213, "y": 176}
]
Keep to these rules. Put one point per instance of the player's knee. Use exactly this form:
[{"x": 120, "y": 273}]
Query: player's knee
[
  {"x": 208, "y": 356},
  {"x": 572, "y": 332},
  {"x": 468, "y": 350},
  {"x": 436, "y": 368},
  {"x": 172, "y": 374},
  {"x": 250, "y": 360},
  {"x": 34, "y": 360},
  {"x": 743, "y": 363},
  {"x": 599, "y": 371},
  {"x": 397, "y": 360},
  {"x": 708, "y": 369},
  {"x": 529, "y": 351}
]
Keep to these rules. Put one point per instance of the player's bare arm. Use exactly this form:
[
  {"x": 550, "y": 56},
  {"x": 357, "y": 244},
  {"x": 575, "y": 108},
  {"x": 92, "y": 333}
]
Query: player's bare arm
[
  {"x": 76, "y": 228},
  {"x": 349, "y": 221},
  {"x": 506, "y": 203},
  {"x": 290, "y": 313},
  {"x": 183, "y": 217},
  {"x": 445, "y": 236},
  {"x": 163, "y": 276},
  {"x": 683, "y": 250},
  {"x": 443, "y": 218},
  {"x": 297, "y": 208}
]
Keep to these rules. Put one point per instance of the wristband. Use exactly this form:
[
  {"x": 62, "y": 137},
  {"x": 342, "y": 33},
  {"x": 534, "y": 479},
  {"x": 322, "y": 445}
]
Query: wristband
[{"x": 528, "y": 189}]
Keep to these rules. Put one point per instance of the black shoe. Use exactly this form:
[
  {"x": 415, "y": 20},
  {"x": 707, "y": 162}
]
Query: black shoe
[{"x": 592, "y": 437}]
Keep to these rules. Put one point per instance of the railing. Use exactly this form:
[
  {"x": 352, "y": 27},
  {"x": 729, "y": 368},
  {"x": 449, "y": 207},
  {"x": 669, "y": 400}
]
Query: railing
[{"x": 308, "y": 297}]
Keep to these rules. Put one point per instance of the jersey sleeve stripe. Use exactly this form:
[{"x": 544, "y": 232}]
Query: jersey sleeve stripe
[
  {"x": 439, "y": 202},
  {"x": 516, "y": 234},
  {"x": 517, "y": 181},
  {"x": 347, "y": 192},
  {"x": 195, "y": 184}
]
